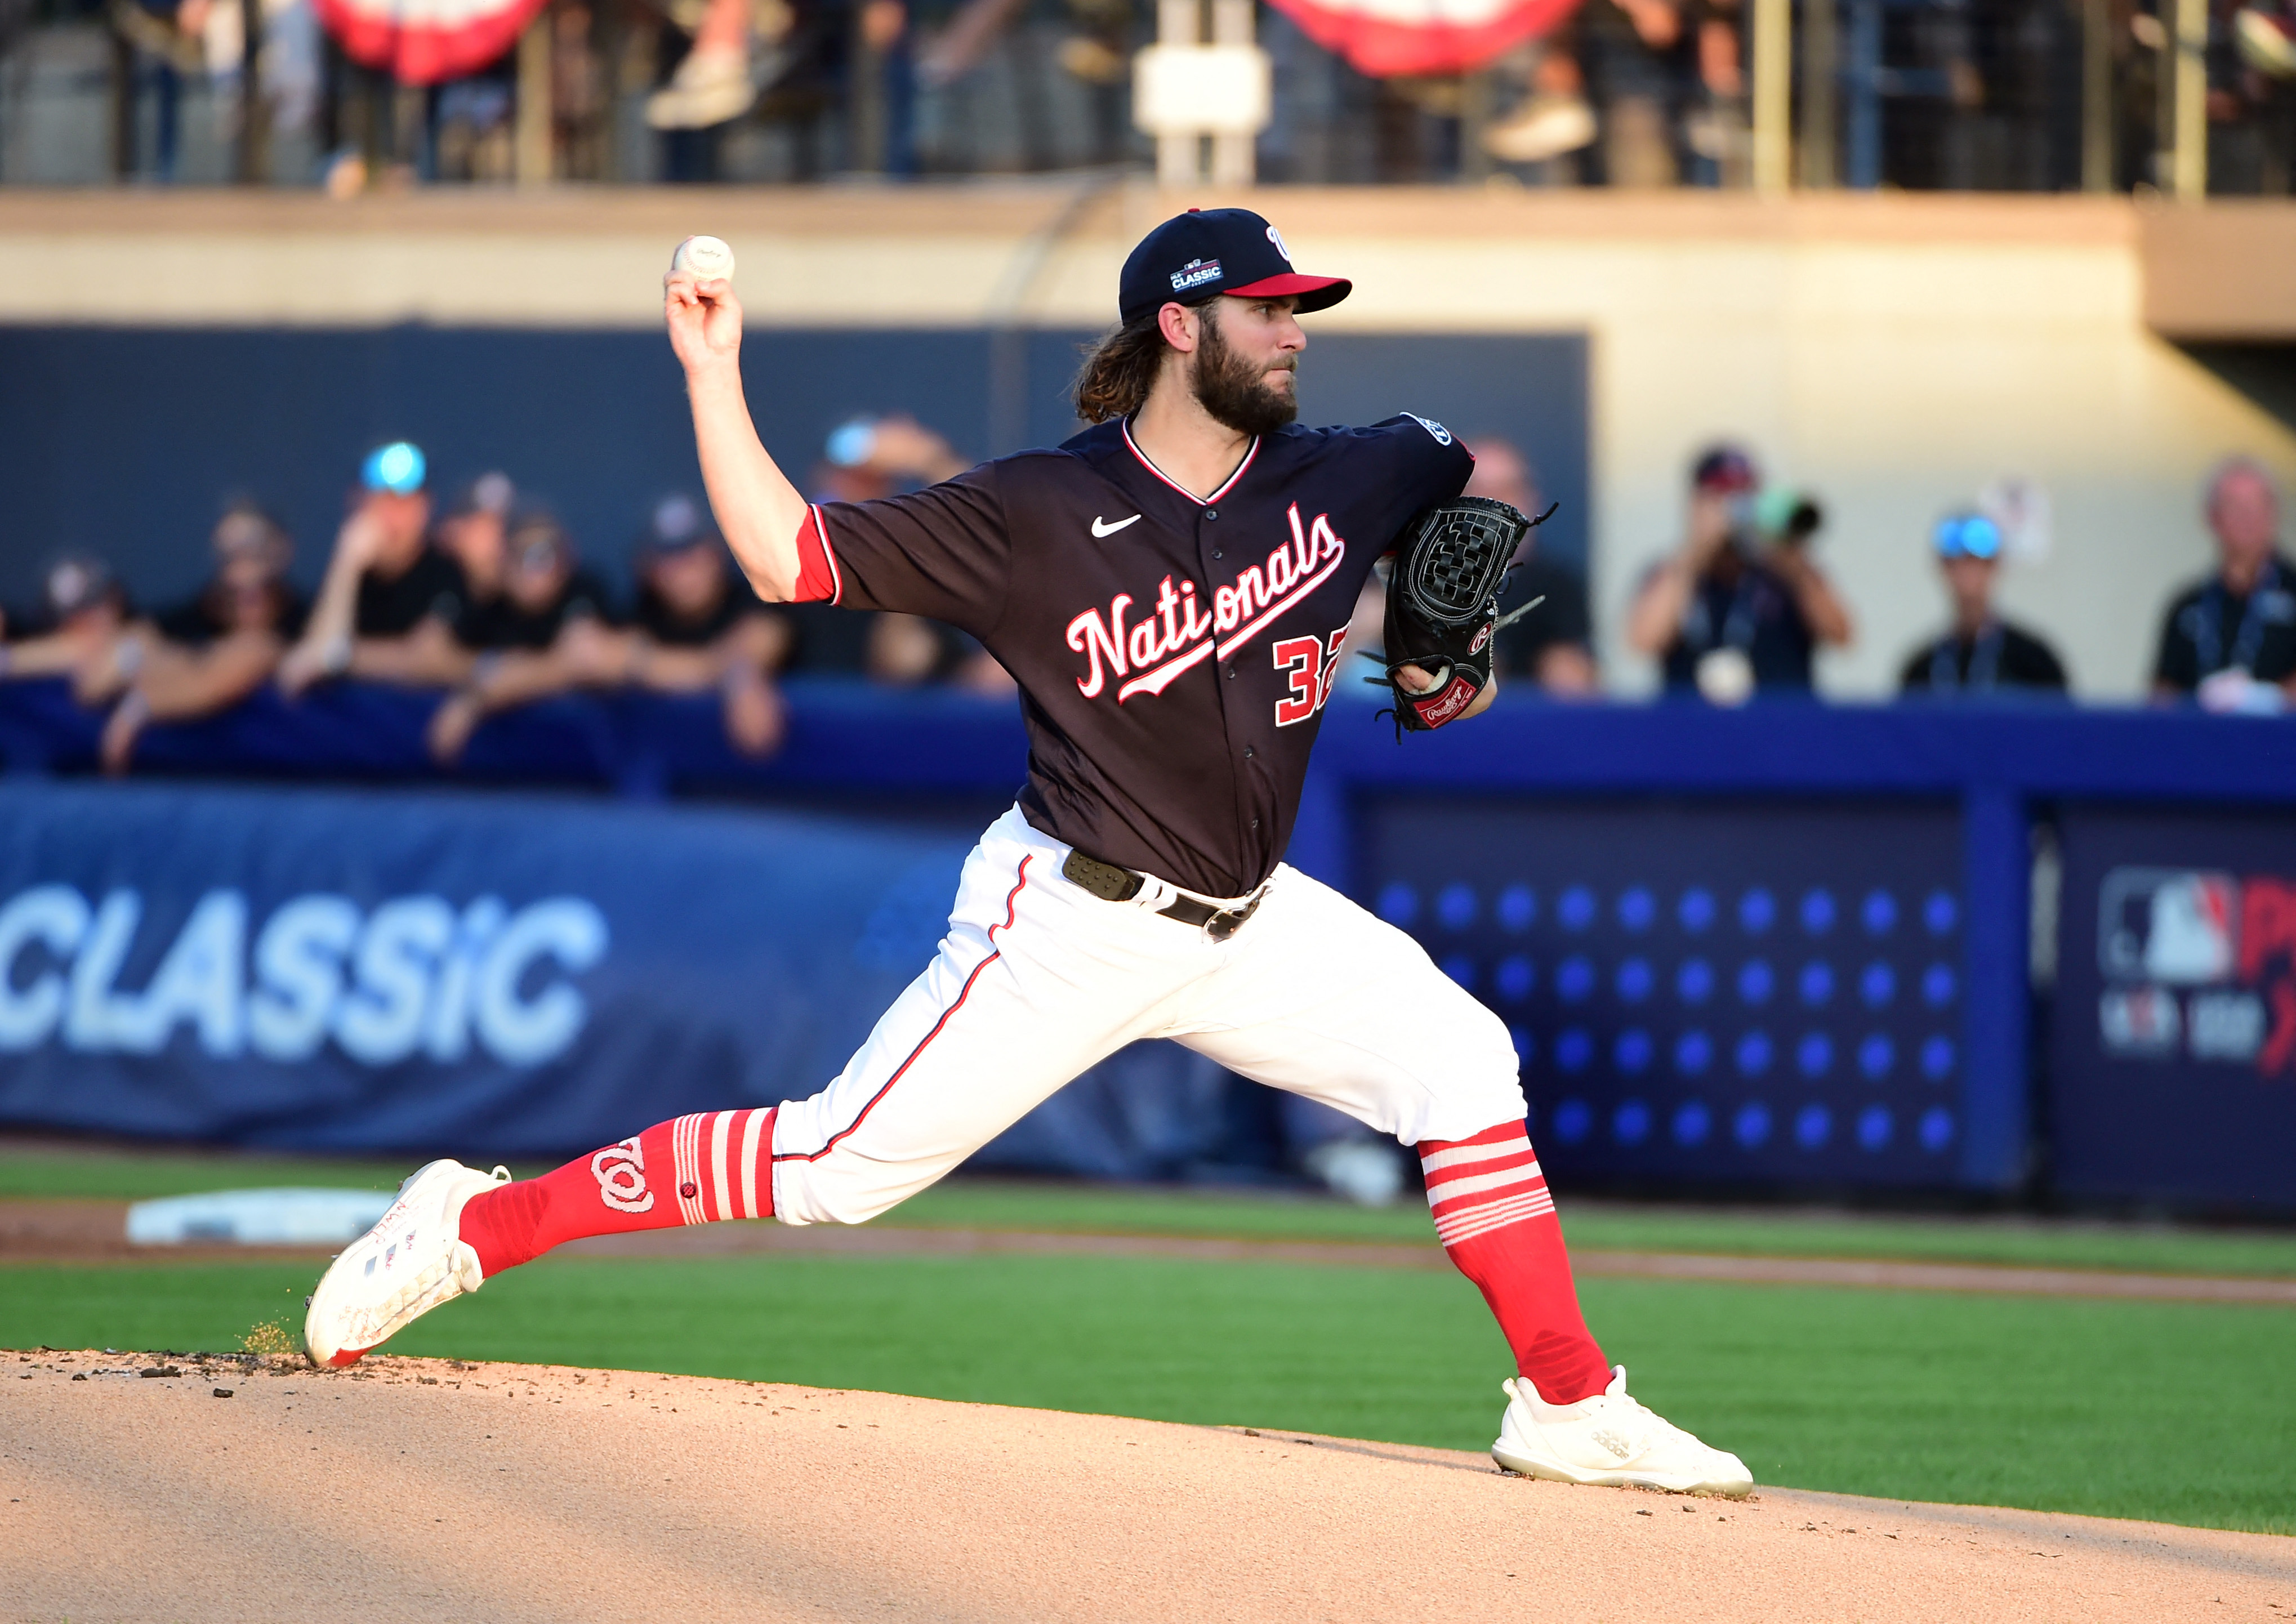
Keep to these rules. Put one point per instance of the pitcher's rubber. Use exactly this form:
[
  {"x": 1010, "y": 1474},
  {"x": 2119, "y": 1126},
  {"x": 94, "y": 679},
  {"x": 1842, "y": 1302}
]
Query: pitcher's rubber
[{"x": 410, "y": 1489}]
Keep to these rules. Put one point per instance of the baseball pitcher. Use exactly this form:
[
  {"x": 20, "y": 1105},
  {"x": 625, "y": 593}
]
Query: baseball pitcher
[{"x": 1170, "y": 589}]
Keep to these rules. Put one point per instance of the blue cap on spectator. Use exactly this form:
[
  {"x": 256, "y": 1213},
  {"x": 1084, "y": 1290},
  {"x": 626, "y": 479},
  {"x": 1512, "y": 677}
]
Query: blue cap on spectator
[
  {"x": 852, "y": 443},
  {"x": 397, "y": 467},
  {"x": 1966, "y": 536},
  {"x": 1192, "y": 257}
]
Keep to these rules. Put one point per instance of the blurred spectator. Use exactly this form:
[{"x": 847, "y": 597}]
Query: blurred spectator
[
  {"x": 696, "y": 628},
  {"x": 390, "y": 601},
  {"x": 544, "y": 590},
  {"x": 474, "y": 534},
  {"x": 545, "y": 632},
  {"x": 2230, "y": 641},
  {"x": 1983, "y": 652},
  {"x": 2252, "y": 101},
  {"x": 167, "y": 36},
  {"x": 1554, "y": 116},
  {"x": 82, "y": 610},
  {"x": 209, "y": 652},
  {"x": 713, "y": 82},
  {"x": 1726, "y": 615},
  {"x": 866, "y": 459},
  {"x": 1668, "y": 79},
  {"x": 1552, "y": 645},
  {"x": 1549, "y": 646}
]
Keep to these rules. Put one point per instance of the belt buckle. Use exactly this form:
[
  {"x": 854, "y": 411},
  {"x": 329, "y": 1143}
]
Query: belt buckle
[{"x": 1227, "y": 922}]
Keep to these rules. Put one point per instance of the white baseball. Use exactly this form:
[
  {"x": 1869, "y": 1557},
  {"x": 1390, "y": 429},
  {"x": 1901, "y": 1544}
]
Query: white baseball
[{"x": 706, "y": 258}]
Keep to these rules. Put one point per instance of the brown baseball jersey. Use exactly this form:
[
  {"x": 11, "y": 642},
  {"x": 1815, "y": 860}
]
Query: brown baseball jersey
[{"x": 1174, "y": 653}]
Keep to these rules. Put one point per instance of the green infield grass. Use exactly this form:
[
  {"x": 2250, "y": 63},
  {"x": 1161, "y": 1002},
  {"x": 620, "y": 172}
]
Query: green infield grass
[
  {"x": 51, "y": 1172},
  {"x": 2175, "y": 1412}
]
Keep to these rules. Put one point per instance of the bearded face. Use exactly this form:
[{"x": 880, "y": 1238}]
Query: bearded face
[{"x": 1234, "y": 389}]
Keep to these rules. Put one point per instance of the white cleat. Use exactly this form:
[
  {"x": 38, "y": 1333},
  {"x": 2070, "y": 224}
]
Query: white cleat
[
  {"x": 1611, "y": 1440},
  {"x": 408, "y": 1264}
]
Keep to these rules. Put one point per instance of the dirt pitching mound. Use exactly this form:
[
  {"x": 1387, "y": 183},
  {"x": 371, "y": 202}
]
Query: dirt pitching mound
[{"x": 413, "y": 1489}]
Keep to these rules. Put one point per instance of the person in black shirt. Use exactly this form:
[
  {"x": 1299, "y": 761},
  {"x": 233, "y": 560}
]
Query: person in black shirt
[
  {"x": 210, "y": 651},
  {"x": 2230, "y": 642},
  {"x": 1983, "y": 652},
  {"x": 544, "y": 589},
  {"x": 474, "y": 533},
  {"x": 697, "y": 625},
  {"x": 388, "y": 606},
  {"x": 694, "y": 629},
  {"x": 248, "y": 591},
  {"x": 546, "y": 629},
  {"x": 1553, "y": 646},
  {"x": 1727, "y": 616}
]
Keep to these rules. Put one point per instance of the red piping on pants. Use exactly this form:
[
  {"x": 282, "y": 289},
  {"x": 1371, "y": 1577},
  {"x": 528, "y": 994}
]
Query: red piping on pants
[{"x": 1011, "y": 901}]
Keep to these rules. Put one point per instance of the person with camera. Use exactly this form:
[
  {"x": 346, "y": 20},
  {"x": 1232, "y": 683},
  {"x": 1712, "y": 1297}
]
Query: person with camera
[{"x": 1728, "y": 615}]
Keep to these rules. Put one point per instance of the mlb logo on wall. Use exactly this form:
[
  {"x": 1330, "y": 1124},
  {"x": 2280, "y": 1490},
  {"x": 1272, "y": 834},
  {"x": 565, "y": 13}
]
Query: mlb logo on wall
[{"x": 2199, "y": 961}]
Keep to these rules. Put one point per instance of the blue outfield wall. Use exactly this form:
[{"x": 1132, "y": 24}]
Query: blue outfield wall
[
  {"x": 521, "y": 975},
  {"x": 1786, "y": 945}
]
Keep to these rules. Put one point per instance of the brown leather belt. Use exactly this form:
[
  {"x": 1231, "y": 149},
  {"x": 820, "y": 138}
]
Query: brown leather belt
[{"x": 1110, "y": 884}]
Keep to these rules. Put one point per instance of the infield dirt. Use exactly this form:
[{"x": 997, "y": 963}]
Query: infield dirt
[{"x": 413, "y": 1489}]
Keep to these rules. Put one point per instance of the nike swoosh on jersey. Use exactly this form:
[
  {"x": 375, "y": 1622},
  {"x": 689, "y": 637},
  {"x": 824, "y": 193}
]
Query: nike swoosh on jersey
[{"x": 1101, "y": 528}]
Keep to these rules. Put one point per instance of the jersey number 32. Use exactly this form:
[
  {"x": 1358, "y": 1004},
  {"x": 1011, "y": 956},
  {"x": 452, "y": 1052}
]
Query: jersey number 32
[{"x": 1313, "y": 669}]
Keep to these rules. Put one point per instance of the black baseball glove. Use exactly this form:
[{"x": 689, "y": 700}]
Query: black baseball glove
[{"x": 1443, "y": 605}]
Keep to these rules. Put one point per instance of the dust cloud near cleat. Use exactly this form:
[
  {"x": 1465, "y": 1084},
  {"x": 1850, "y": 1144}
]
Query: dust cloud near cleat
[
  {"x": 1610, "y": 1440},
  {"x": 408, "y": 1264}
]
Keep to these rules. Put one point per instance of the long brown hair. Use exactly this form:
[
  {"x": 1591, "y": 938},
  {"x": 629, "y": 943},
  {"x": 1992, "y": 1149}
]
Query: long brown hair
[{"x": 1119, "y": 372}]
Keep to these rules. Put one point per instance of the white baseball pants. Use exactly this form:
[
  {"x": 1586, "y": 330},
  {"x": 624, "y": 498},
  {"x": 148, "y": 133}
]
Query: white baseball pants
[{"x": 1038, "y": 980}]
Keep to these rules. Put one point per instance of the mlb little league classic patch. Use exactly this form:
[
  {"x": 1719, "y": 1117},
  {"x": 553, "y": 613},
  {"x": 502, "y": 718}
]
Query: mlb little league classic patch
[{"x": 1195, "y": 275}]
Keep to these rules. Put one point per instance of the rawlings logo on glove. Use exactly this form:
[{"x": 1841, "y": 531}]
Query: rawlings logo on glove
[{"x": 1443, "y": 607}]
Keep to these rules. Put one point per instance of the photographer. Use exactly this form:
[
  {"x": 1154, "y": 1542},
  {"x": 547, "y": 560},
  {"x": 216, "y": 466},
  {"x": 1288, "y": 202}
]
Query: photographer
[{"x": 1728, "y": 615}]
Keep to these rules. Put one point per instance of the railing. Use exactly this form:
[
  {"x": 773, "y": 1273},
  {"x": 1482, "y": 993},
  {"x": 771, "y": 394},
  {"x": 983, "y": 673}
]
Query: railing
[{"x": 2186, "y": 98}]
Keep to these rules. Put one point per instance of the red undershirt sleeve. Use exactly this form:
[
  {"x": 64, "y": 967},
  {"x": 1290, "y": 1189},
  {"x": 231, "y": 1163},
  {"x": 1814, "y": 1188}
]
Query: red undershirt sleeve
[{"x": 817, "y": 577}]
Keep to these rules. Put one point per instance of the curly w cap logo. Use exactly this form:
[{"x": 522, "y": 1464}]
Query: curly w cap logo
[
  {"x": 620, "y": 1172},
  {"x": 1276, "y": 237}
]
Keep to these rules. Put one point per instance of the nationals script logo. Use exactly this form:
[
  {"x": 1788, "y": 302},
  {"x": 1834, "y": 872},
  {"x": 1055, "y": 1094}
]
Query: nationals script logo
[
  {"x": 620, "y": 1172},
  {"x": 1146, "y": 655}
]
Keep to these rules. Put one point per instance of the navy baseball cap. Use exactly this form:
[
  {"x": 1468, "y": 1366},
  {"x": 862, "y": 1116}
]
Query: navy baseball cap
[
  {"x": 677, "y": 522},
  {"x": 1724, "y": 469},
  {"x": 1194, "y": 256}
]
